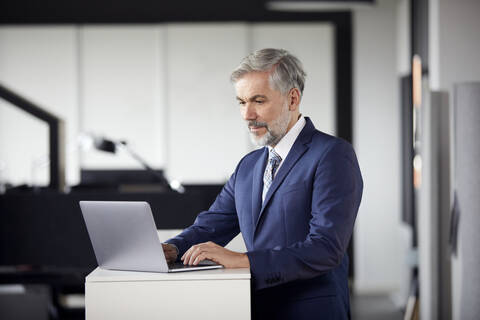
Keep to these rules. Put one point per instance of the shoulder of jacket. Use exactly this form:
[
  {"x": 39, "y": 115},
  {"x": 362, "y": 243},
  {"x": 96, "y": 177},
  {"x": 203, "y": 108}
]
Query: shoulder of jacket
[
  {"x": 323, "y": 143},
  {"x": 250, "y": 158}
]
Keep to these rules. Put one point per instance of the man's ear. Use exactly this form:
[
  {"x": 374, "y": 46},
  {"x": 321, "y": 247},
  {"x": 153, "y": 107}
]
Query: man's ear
[{"x": 293, "y": 99}]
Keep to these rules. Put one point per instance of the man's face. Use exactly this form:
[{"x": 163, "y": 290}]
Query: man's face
[{"x": 266, "y": 110}]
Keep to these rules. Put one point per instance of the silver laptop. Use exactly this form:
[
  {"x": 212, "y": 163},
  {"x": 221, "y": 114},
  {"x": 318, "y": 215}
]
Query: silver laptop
[{"x": 124, "y": 237}]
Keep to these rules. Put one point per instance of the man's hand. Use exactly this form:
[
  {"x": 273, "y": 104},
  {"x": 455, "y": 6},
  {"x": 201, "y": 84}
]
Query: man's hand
[
  {"x": 170, "y": 252},
  {"x": 216, "y": 253}
]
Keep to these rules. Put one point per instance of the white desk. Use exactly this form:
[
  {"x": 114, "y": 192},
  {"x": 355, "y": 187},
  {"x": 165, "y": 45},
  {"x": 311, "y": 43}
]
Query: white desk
[{"x": 209, "y": 294}]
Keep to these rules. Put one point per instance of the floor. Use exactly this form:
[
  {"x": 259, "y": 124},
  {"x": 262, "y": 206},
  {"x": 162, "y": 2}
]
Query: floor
[
  {"x": 374, "y": 307},
  {"x": 364, "y": 307}
]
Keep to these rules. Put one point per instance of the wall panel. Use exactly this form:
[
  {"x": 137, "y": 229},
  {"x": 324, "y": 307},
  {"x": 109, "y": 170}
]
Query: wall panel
[
  {"x": 40, "y": 64},
  {"x": 122, "y": 92},
  {"x": 207, "y": 137},
  {"x": 312, "y": 43}
]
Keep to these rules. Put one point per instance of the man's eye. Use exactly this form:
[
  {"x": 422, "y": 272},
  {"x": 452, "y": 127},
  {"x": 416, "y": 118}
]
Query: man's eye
[
  {"x": 241, "y": 103},
  {"x": 259, "y": 101}
]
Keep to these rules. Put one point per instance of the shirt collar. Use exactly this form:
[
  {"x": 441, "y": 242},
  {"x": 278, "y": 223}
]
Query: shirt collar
[{"x": 285, "y": 144}]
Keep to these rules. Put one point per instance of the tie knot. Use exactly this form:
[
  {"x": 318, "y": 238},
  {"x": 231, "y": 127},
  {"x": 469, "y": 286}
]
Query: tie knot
[{"x": 274, "y": 158}]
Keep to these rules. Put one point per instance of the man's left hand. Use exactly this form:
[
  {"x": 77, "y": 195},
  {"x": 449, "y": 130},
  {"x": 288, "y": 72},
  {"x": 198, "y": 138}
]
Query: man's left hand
[{"x": 216, "y": 253}]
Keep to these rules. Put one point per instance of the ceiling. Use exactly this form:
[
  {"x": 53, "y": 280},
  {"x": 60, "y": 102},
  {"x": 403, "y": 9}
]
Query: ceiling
[{"x": 149, "y": 11}]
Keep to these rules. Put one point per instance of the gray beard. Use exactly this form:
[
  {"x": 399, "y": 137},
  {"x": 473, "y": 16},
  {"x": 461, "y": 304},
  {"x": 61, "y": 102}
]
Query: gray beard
[
  {"x": 275, "y": 133},
  {"x": 266, "y": 140}
]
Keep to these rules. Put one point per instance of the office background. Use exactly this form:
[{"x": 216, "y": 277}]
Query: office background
[{"x": 163, "y": 86}]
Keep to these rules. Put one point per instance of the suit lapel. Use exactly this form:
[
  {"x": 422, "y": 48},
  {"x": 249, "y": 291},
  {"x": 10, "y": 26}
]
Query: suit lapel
[
  {"x": 295, "y": 153},
  {"x": 257, "y": 184},
  {"x": 298, "y": 149}
]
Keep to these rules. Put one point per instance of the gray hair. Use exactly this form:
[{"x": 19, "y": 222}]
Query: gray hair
[{"x": 286, "y": 71}]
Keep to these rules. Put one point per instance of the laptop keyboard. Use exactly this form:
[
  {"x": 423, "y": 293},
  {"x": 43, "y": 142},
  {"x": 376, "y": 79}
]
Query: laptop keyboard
[{"x": 180, "y": 265}]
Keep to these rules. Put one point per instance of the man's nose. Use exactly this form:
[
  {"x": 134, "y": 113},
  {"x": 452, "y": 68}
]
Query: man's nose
[{"x": 249, "y": 112}]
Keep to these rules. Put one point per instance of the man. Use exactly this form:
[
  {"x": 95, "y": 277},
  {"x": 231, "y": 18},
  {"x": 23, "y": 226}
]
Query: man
[{"x": 295, "y": 201}]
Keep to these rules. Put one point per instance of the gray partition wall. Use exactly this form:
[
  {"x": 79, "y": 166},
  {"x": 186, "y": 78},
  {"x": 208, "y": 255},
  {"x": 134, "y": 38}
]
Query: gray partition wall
[
  {"x": 467, "y": 189},
  {"x": 434, "y": 204}
]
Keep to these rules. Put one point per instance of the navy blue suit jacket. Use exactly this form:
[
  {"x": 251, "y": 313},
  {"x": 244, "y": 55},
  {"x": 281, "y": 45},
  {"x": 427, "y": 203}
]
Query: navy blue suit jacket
[{"x": 297, "y": 238}]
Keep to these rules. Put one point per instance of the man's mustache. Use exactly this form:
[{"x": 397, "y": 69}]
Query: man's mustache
[{"x": 257, "y": 124}]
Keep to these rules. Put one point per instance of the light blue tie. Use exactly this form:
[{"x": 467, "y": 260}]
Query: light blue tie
[{"x": 273, "y": 162}]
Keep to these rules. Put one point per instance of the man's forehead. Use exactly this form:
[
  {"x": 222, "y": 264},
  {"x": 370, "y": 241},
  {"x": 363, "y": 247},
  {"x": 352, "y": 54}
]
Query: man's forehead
[
  {"x": 254, "y": 77},
  {"x": 253, "y": 83}
]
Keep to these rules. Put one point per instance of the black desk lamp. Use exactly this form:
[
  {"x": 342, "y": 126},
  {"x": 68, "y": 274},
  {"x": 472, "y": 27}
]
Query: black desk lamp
[{"x": 111, "y": 146}]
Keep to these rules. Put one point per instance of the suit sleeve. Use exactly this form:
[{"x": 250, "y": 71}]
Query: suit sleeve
[
  {"x": 337, "y": 191},
  {"x": 218, "y": 224}
]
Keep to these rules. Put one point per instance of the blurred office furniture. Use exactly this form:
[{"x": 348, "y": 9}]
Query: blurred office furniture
[
  {"x": 121, "y": 180},
  {"x": 208, "y": 294},
  {"x": 40, "y": 292},
  {"x": 466, "y": 262},
  {"x": 15, "y": 298},
  {"x": 48, "y": 230},
  {"x": 43, "y": 239},
  {"x": 55, "y": 132},
  {"x": 434, "y": 208}
]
